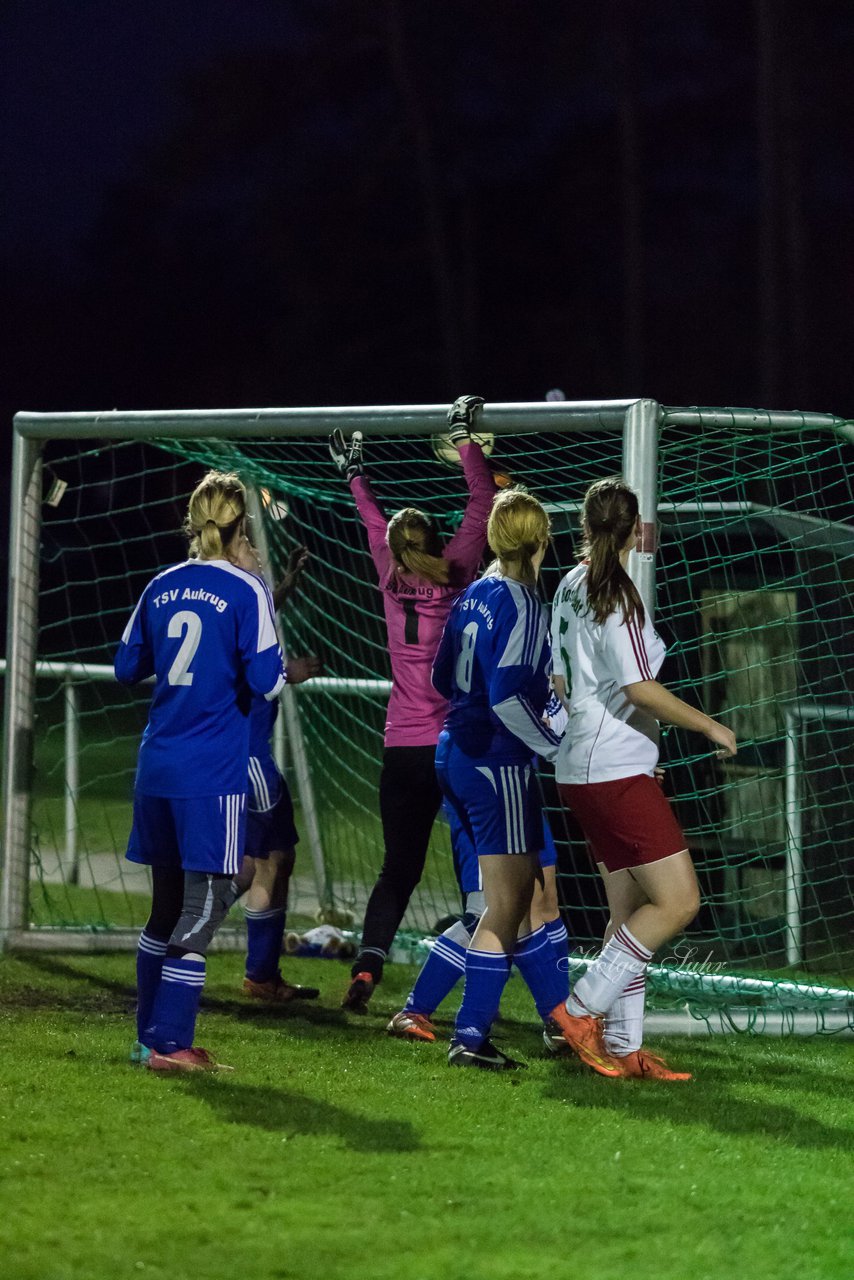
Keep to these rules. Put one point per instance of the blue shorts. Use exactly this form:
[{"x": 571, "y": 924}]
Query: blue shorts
[
  {"x": 206, "y": 833},
  {"x": 466, "y": 866},
  {"x": 497, "y": 804},
  {"x": 268, "y": 830}
]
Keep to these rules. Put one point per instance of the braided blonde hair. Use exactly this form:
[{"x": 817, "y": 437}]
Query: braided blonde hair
[{"x": 215, "y": 511}]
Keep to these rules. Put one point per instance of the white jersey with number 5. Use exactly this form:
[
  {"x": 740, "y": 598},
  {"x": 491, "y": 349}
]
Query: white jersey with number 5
[
  {"x": 204, "y": 629},
  {"x": 606, "y": 737}
]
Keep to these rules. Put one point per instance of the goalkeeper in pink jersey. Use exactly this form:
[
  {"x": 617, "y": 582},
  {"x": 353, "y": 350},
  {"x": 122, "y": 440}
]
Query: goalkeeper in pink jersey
[{"x": 419, "y": 578}]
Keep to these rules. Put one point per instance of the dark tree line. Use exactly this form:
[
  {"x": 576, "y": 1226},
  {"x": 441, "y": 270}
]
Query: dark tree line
[{"x": 396, "y": 201}]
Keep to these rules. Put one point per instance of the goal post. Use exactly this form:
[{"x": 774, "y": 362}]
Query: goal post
[
  {"x": 751, "y": 524},
  {"x": 636, "y": 419},
  {"x": 19, "y": 695}
]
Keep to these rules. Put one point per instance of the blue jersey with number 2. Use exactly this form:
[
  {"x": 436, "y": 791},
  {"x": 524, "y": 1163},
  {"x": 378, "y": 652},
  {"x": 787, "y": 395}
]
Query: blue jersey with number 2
[
  {"x": 204, "y": 629},
  {"x": 493, "y": 667}
]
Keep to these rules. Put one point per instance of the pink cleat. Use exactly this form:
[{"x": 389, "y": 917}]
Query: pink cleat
[
  {"x": 194, "y": 1059},
  {"x": 411, "y": 1026}
]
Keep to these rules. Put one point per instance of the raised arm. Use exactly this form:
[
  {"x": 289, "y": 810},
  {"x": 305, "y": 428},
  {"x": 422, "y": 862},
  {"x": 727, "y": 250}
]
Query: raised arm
[
  {"x": 347, "y": 458},
  {"x": 467, "y": 545}
]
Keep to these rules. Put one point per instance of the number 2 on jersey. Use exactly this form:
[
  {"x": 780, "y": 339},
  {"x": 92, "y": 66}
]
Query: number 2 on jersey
[
  {"x": 465, "y": 661},
  {"x": 179, "y": 672}
]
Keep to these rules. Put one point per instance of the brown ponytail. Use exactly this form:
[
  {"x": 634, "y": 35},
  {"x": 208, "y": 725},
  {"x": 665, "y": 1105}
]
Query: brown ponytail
[
  {"x": 608, "y": 518},
  {"x": 412, "y": 541},
  {"x": 215, "y": 511}
]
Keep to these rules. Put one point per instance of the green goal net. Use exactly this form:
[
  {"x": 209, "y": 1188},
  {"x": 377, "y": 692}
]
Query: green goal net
[{"x": 754, "y": 581}]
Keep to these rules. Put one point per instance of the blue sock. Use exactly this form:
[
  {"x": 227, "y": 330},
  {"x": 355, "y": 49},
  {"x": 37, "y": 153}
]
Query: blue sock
[
  {"x": 559, "y": 938},
  {"x": 176, "y": 1004},
  {"x": 440, "y": 973},
  {"x": 149, "y": 965},
  {"x": 486, "y": 976},
  {"x": 534, "y": 957},
  {"x": 264, "y": 933}
]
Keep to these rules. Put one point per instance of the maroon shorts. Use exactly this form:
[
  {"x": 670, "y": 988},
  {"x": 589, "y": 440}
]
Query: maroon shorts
[{"x": 626, "y": 822}]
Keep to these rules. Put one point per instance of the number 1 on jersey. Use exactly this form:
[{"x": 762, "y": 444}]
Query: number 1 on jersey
[
  {"x": 179, "y": 672},
  {"x": 465, "y": 661}
]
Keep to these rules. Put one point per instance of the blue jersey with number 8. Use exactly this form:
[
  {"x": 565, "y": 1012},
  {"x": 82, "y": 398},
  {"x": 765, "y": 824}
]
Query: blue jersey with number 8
[
  {"x": 493, "y": 667},
  {"x": 204, "y": 629}
]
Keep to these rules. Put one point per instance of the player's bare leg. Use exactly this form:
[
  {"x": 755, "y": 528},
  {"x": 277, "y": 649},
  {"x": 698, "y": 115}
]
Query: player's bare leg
[
  {"x": 624, "y": 1023},
  {"x": 649, "y": 904}
]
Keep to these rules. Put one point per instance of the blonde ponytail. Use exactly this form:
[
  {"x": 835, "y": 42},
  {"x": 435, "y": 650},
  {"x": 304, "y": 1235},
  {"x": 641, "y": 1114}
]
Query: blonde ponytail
[
  {"x": 518, "y": 527},
  {"x": 214, "y": 513}
]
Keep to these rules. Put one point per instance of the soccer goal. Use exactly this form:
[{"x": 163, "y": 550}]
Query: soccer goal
[{"x": 747, "y": 559}]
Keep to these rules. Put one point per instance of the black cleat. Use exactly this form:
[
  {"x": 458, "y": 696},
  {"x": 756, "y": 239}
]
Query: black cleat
[
  {"x": 359, "y": 993},
  {"x": 487, "y": 1057},
  {"x": 553, "y": 1039}
]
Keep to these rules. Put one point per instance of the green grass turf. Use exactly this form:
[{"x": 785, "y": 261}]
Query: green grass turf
[{"x": 334, "y": 1152}]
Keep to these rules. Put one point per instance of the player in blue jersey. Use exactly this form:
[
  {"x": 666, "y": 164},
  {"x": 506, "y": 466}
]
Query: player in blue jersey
[
  {"x": 493, "y": 667},
  {"x": 446, "y": 962},
  {"x": 271, "y": 836},
  {"x": 204, "y": 629}
]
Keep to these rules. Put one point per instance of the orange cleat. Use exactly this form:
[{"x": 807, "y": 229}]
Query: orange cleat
[
  {"x": 194, "y": 1059},
  {"x": 584, "y": 1037},
  {"x": 642, "y": 1065},
  {"x": 411, "y": 1026},
  {"x": 278, "y": 991}
]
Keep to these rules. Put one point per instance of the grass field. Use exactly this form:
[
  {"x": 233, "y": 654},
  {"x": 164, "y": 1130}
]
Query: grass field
[{"x": 333, "y": 1152}]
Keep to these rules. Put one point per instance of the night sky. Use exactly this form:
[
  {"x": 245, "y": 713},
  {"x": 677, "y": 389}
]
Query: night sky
[{"x": 230, "y": 203}]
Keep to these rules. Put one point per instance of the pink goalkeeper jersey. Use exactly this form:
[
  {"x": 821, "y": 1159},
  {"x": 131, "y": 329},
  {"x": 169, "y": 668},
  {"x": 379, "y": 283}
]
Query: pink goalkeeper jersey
[{"x": 416, "y": 610}]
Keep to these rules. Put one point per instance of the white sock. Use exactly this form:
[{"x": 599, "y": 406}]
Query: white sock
[
  {"x": 624, "y": 1020},
  {"x": 620, "y": 960}
]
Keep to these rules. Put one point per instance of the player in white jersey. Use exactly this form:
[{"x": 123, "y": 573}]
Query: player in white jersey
[
  {"x": 606, "y": 658},
  {"x": 204, "y": 629}
]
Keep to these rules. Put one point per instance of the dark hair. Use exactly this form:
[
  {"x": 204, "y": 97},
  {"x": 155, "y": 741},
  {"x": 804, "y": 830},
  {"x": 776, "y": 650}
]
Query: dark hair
[
  {"x": 414, "y": 545},
  {"x": 607, "y": 519}
]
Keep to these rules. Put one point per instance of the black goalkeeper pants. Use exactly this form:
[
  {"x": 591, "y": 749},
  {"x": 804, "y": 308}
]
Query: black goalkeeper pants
[{"x": 409, "y": 801}]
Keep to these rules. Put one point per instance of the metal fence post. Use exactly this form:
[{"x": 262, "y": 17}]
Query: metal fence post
[{"x": 72, "y": 778}]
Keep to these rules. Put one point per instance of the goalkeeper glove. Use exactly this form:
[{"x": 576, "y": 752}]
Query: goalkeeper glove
[
  {"x": 461, "y": 418},
  {"x": 347, "y": 455}
]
